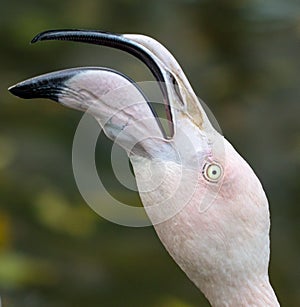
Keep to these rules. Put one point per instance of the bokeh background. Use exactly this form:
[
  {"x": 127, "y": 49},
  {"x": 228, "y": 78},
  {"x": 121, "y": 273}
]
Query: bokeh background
[{"x": 242, "y": 58}]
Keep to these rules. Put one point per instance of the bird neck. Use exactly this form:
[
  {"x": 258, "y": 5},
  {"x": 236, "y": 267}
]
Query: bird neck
[{"x": 255, "y": 293}]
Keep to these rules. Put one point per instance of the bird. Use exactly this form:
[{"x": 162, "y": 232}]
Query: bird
[{"x": 205, "y": 202}]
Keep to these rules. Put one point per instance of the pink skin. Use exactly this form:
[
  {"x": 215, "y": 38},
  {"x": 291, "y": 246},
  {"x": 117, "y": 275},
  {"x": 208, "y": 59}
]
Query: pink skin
[
  {"x": 226, "y": 246},
  {"x": 224, "y": 249},
  {"x": 220, "y": 234},
  {"x": 217, "y": 232}
]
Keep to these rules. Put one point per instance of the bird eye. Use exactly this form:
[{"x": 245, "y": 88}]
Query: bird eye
[{"x": 212, "y": 172}]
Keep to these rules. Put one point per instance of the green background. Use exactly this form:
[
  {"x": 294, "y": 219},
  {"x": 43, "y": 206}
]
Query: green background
[{"x": 242, "y": 58}]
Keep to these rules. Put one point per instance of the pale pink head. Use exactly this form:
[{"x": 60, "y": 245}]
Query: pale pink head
[{"x": 209, "y": 208}]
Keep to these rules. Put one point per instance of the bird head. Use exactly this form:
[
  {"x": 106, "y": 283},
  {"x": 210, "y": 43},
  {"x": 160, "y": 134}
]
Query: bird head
[{"x": 207, "y": 205}]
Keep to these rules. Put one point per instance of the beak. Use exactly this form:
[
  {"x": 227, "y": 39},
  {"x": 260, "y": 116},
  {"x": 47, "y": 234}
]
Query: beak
[
  {"x": 180, "y": 101},
  {"x": 45, "y": 86}
]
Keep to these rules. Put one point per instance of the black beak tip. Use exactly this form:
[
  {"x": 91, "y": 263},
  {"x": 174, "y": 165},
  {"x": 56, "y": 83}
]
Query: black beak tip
[
  {"x": 35, "y": 39},
  {"x": 38, "y": 37},
  {"x": 31, "y": 90},
  {"x": 49, "y": 86},
  {"x": 12, "y": 89},
  {"x": 20, "y": 90},
  {"x": 41, "y": 36}
]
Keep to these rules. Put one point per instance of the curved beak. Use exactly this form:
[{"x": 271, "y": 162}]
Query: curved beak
[
  {"x": 180, "y": 101},
  {"x": 44, "y": 86}
]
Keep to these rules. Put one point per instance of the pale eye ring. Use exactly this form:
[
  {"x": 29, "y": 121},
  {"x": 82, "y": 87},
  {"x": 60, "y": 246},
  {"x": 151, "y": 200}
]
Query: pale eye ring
[{"x": 212, "y": 171}]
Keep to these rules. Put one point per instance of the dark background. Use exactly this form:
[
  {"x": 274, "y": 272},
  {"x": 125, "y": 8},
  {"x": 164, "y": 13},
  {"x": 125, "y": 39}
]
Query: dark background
[{"x": 243, "y": 60}]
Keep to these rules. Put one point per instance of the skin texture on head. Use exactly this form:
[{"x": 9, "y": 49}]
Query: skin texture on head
[{"x": 205, "y": 202}]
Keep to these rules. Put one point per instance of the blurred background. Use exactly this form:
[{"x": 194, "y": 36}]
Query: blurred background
[{"x": 242, "y": 58}]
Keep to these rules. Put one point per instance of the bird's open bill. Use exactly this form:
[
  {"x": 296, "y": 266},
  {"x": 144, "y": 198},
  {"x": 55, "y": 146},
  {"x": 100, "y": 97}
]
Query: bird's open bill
[
  {"x": 205, "y": 202},
  {"x": 125, "y": 113},
  {"x": 179, "y": 99}
]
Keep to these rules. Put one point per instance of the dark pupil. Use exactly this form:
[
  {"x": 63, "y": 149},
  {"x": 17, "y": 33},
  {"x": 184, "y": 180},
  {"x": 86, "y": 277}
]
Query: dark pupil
[{"x": 214, "y": 172}]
